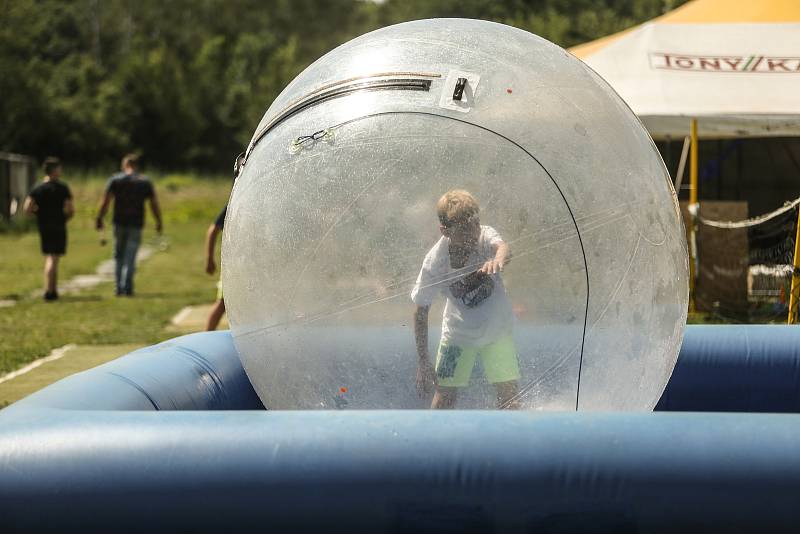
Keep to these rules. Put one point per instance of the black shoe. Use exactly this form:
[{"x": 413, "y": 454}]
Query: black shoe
[{"x": 51, "y": 296}]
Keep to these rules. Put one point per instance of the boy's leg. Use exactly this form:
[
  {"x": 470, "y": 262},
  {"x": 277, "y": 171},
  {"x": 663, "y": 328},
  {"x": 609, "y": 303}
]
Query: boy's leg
[
  {"x": 120, "y": 238},
  {"x": 53, "y": 244},
  {"x": 46, "y": 275},
  {"x": 444, "y": 398},
  {"x": 501, "y": 365},
  {"x": 131, "y": 249},
  {"x": 507, "y": 395},
  {"x": 215, "y": 315},
  {"x": 218, "y": 310},
  {"x": 453, "y": 370},
  {"x": 51, "y": 273},
  {"x": 50, "y": 270}
]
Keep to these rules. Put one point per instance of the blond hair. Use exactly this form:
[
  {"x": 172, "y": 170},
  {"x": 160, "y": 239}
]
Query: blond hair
[{"x": 457, "y": 207}]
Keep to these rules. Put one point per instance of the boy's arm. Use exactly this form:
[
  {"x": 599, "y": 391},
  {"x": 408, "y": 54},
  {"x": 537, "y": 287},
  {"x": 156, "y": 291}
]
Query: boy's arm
[
  {"x": 30, "y": 207},
  {"x": 211, "y": 241},
  {"x": 421, "y": 331},
  {"x": 156, "y": 209},
  {"x": 69, "y": 209},
  {"x": 101, "y": 212},
  {"x": 502, "y": 256},
  {"x": 425, "y": 375}
]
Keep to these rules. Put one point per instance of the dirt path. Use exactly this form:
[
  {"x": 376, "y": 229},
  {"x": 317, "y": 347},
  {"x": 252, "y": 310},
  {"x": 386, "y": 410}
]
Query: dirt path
[
  {"x": 193, "y": 319},
  {"x": 103, "y": 273}
]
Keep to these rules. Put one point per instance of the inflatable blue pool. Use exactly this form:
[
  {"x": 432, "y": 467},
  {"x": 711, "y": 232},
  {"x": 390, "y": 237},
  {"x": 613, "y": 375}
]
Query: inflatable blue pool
[{"x": 173, "y": 438}]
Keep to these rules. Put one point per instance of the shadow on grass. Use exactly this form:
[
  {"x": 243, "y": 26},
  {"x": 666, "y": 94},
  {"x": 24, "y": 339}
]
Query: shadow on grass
[
  {"x": 80, "y": 298},
  {"x": 145, "y": 296}
]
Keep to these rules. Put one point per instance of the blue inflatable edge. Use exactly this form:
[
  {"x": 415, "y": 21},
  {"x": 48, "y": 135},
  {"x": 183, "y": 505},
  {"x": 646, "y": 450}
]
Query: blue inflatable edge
[
  {"x": 753, "y": 368},
  {"x": 90, "y": 453},
  {"x": 195, "y": 372}
]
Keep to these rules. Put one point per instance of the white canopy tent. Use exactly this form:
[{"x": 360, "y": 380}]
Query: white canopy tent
[
  {"x": 734, "y": 65},
  {"x": 713, "y": 69}
]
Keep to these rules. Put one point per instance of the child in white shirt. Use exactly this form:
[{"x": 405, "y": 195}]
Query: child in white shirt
[{"x": 465, "y": 265}]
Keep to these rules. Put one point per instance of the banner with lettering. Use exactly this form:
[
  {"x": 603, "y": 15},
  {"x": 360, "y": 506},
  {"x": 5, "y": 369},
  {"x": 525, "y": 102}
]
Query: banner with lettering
[{"x": 738, "y": 79}]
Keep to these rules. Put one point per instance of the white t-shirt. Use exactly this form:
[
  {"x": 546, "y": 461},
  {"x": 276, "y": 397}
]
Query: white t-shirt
[{"x": 477, "y": 311}]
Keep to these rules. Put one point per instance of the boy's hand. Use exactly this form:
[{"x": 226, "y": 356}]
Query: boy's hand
[
  {"x": 491, "y": 267},
  {"x": 426, "y": 377},
  {"x": 502, "y": 255},
  {"x": 211, "y": 266}
]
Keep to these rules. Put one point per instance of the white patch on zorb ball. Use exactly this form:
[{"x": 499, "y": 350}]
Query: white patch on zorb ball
[
  {"x": 334, "y": 212},
  {"x": 464, "y": 104}
]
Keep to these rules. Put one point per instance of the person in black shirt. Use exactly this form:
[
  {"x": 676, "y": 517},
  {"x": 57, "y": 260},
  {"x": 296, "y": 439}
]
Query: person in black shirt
[
  {"x": 51, "y": 202},
  {"x": 129, "y": 190},
  {"x": 218, "y": 310}
]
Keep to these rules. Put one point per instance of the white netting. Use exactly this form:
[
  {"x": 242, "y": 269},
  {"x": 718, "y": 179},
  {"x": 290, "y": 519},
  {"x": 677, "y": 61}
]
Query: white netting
[{"x": 745, "y": 266}]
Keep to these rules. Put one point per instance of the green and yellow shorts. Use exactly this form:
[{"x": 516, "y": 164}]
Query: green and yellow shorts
[{"x": 499, "y": 359}]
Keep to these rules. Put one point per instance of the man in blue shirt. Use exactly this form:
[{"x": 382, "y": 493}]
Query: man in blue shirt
[{"x": 129, "y": 190}]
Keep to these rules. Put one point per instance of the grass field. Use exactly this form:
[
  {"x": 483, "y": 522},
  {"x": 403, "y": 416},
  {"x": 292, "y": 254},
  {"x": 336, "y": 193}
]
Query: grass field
[
  {"x": 94, "y": 319},
  {"x": 165, "y": 283}
]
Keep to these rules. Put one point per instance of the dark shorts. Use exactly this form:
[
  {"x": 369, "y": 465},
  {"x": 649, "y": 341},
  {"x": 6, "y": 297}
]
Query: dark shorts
[{"x": 54, "y": 239}]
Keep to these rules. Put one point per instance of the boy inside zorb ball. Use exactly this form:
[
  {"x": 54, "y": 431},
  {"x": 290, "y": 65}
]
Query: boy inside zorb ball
[{"x": 465, "y": 266}]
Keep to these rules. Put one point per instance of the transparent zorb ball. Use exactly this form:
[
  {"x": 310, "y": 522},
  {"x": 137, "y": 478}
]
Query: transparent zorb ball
[{"x": 335, "y": 210}]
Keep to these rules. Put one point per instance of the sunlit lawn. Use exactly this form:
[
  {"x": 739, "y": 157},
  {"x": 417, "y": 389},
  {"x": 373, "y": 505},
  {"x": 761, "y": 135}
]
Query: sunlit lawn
[{"x": 165, "y": 283}]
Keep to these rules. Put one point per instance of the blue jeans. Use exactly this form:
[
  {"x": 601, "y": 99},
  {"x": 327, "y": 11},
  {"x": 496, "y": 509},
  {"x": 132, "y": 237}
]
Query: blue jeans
[{"x": 126, "y": 244}]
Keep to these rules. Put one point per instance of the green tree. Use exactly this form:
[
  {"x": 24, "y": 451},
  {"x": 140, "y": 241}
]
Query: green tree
[{"x": 187, "y": 81}]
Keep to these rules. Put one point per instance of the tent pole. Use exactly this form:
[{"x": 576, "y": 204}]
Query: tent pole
[
  {"x": 794, "y": 293},
  {"x": 693, "y": 213},
  {"x": 681, "y": 166}
]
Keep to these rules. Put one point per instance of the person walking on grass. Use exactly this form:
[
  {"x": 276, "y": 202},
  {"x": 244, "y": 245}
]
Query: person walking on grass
[
  {"x": 51, "y": 202},
  {"x": 215, "y": 229},
  {"x": 129, "y": 190}
]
